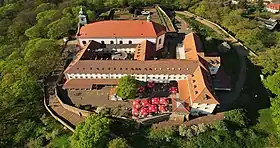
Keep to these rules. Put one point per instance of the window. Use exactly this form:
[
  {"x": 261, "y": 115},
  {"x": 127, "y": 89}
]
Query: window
[
  {"x": 143, "y": 77},
  {"x": 129, "y": 42},
  {"x": 121, "y": 42},
  {"x": 111, "y": 42},
  {"x": 102, "y": 42},
  {"x": 86, "y": 77},
  {"x": 159, "y": 41},
  {"x": 163, "y": 77},
  {"x": 90, "y": 68},
  {"x": 84, "y": 42},
  {"x": 206, "y": 107},
  {"x": 179, "y": 78},
  {"x": 154, "y": 77}
]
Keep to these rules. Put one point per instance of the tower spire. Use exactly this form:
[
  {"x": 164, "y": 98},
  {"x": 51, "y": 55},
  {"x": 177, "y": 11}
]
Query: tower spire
[{"x": 82, "y": 17}]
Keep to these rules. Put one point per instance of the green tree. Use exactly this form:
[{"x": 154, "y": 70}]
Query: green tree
[
  {"x": 92, "y": 133},
  {"x": 60, "y": 28},
  {"x": 41, "y": 55},
  {"x": 219, "y": 125},
  {"x": 118, "y": 143},
  {"x": 268, "y": 60},
  {"x": 275, "y": 105},
  {"x": 127, "y": 87},
  {"x": 273, "y": 83},
  {"x": 165, "y": 134},
  {"x": 237, "y": 117}
]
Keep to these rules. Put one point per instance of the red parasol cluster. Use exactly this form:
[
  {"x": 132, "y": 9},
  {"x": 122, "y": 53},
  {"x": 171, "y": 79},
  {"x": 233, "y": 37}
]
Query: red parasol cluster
[
  {"x": 144, "y": 107},
  {"x": 173, "y": 90},
  {"x": 141, "y": 89},
  {"x": 150, "y": 84}
]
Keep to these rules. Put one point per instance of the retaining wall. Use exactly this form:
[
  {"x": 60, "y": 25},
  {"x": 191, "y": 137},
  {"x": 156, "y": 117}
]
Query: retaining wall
[
  {"x": 73, "y": 109},
  {"x": 163, "y": 12},
  {"x": 53, "y": 114}
]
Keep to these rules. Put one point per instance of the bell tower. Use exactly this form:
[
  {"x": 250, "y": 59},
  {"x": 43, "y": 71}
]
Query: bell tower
[{"x": 82, "y": 17}]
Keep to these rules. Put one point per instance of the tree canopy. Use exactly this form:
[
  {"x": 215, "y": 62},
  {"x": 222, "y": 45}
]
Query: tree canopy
[
  {"x": 93, "y": 132},
  {"x": 127, "y": 87},
  {"x": 118, "y": 143}
]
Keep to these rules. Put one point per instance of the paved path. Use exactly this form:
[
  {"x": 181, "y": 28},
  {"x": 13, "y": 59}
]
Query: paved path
[
  {"x": 228, "y": 98},
  {"x": 183, "y": 27},
  {"x": 56, "y": 108}
]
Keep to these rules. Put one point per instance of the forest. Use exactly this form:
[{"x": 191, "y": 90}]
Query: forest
[{"x": 30, "y": 45}]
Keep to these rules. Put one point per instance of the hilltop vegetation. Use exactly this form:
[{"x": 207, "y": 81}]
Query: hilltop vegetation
[{"x": 29, "y": 49}]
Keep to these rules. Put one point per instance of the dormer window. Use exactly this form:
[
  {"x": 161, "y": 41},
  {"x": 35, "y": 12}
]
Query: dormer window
[{"x": 205, "y": 97}]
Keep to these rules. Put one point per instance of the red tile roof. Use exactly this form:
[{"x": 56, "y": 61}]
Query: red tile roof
[
  {"x": 167, "y": 66},
  {"x": 122, "y": 28},
  {"x": 144, "y": 51},
  {"x": 275, "y": 6}
]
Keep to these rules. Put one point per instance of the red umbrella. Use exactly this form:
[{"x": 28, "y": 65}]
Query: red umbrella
[
  {"x": 163, "y": 101},
  {"x": 144, "y": 112},
  {"x": 141, "y": 89},
  {"x": 173, "y": 90},
  {"x": 136, "y": 103},
  {"x": 153, "y": 109},
  {"x": 145, "y": 102},
  {"x": 135, "y": 112},
  {"x": 162, "y": 108},
  {"x": 151, "y": 84},
  {"x": 155, "y": 100}
]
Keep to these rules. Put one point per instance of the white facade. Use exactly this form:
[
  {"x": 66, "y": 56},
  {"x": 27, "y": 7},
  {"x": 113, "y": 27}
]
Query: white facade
[
  {"x": 272, "y": 10},
  {"x": 200, "y": 108},
  {"x": 159, "y": 41},
  {"x": 163, "y": 78},
  {"x": 111, "y": 50}
]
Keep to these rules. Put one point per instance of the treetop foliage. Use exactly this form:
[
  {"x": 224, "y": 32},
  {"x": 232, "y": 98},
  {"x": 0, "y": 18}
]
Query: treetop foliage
[{"x": 93, "y": 132}]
